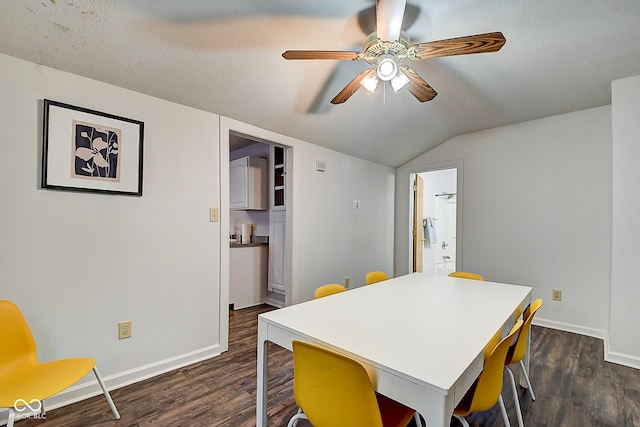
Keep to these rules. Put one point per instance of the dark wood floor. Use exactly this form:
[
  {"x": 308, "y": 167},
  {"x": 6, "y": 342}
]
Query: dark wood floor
[{"x": 574, "y": 387}]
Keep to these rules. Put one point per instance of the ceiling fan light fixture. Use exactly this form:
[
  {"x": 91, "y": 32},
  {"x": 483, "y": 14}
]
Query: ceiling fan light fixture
[
  {"x": 370, "y": 82},
  {"x": 387, "y": 69},
  {"x": 399, "y": 81}
]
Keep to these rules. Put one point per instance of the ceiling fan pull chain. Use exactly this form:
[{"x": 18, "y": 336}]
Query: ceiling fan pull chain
[{"x": 384, "y": 93}]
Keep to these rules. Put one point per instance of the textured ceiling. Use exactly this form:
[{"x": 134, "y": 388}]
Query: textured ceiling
[{"x": 225, "y": 57}]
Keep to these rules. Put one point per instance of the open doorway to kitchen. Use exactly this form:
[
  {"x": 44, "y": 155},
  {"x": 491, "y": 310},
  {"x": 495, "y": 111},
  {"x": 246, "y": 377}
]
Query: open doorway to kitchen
[
  {"x": 238, "y": 140},
  {"x": 258, "y": 265},
  {"x": 435, "y": 227}
]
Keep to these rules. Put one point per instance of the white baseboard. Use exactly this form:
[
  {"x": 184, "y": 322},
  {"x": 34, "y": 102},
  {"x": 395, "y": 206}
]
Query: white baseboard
[
  {"x": 240, "y": 307},
  {"x": 568, "y": 327},
  {"x": 91, "y": 388},
  {"x": 609, "y": 356},
  {"x": 620, "y": 358},
  {"x": 274, "y": 302}
]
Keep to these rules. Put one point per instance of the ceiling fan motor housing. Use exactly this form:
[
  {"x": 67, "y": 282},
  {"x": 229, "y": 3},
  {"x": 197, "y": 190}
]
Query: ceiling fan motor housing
[{"x": 375, "y": 50}]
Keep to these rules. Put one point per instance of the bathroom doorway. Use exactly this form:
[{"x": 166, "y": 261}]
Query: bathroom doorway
[{"x": 436, "y": 227}]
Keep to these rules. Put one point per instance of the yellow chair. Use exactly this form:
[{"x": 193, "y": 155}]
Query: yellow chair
[
  {"x": 375, "y": 277},
  {"x": 333, "y": 390},
  {"x": 25, "y": 381},
  {"x": 516, "y": 353},
  {"x": 487, "y": 389},
  {"x": 466, "y": 275},
  {"x": 326, "y": 290}
]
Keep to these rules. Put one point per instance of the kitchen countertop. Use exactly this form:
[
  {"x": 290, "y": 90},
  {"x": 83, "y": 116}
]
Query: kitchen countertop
[{"x": 246, "y": 245}]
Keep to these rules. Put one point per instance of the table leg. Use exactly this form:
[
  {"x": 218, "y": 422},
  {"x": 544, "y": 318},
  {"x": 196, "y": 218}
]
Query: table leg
[
  {"x": 261, "y": 400},
  {"x": 435, "y": 414}
]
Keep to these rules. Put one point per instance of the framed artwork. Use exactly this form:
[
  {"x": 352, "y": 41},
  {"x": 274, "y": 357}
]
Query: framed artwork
[{"x": 87, "y": 150}]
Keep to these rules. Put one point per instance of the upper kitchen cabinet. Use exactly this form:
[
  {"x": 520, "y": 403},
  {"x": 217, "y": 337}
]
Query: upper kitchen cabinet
[
  {"x": 278, "y": 172},
  {"x": 248, "y": 184}
]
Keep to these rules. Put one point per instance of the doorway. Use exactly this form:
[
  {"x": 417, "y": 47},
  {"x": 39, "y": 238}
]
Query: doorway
[
  {"x": 264, "y": 281},
  {"x": 435, "y": 221}
]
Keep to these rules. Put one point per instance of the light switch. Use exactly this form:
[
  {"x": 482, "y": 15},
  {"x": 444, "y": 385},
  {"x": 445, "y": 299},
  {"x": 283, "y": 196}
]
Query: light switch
[{"x": 214, "y": 215}]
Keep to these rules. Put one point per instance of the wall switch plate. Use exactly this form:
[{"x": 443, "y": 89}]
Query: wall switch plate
[
  {"x": 320, "y": 166},
  {"x": 124, "y": 329},
  {"x": 346, "y": 282},
  {"x": 557, "y": 295},
  {"x": 214, "y": 215}
]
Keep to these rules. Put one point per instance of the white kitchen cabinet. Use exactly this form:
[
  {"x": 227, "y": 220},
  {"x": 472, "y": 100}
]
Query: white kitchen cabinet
[
  {"x": 248, "y": 269},
  {"x": 278, "y": 171},
  {"x": 248, "y": 184},
  {"x": 277, "y": 261}
]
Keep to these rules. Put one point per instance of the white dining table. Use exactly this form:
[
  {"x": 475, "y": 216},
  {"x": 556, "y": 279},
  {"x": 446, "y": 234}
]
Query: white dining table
[{"x": 423, "y": 335}]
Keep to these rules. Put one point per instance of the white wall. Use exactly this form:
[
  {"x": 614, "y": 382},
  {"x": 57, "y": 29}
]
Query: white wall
[
  {"x": 624, "y": 338},
  {"x": 536, "y": 211},
  {"x": 332, "y": 240},
  {"x": 77, "y": 263}
]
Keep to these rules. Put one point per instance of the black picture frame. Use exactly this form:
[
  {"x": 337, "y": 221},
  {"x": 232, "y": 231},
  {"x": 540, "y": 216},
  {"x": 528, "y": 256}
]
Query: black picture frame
[{"x": 91, "y": 151}]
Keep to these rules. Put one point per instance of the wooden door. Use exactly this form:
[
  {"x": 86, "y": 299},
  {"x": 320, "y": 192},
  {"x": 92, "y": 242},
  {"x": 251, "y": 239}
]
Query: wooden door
[{"x": 418, "y": 229}]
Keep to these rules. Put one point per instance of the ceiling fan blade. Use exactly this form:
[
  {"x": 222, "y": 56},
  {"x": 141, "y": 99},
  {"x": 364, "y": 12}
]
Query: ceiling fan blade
[
  {"x": 319, "y": 54},
  {"x": 351, "y": 87},
  {"x": 417, "y": 86},
  {"x": 480, "y": 43},
  {"x": 389, "y": 16}
]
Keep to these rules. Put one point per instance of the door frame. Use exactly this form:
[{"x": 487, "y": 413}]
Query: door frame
[
  {"x": 417, "y": 231},
  {"x": 432, "y": 167},
  {"x": 227, "y": 126}
]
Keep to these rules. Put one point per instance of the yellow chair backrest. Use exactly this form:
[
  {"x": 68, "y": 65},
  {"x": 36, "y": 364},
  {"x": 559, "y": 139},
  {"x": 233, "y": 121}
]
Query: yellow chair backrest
[
  {"x": 488, "y": 386},
  {"x": 517, "y": 351},
  {"x": 326, "y": 290},
  {"x": 333, "y": 390},
  {"x": 375, "y": 277},
  {"x": 466, "y": 275},
  {"x": 18, "y": 343}
]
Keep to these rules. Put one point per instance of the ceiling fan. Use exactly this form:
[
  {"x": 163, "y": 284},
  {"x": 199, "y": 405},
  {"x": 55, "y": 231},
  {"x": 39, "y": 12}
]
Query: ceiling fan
[{"x": 387, "y": 47}]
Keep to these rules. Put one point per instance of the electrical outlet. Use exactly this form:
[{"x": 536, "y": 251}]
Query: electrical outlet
[
  {"x": 557, "y": 295},
  {"x": 124, "y": 329},
  {"x": 346, "y": 282}
]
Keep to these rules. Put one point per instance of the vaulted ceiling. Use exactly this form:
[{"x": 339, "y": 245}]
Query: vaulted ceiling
[{"x": 225, "y": 57}]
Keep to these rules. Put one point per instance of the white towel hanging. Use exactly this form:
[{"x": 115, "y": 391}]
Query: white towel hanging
[{"x": 429, "y": 224}]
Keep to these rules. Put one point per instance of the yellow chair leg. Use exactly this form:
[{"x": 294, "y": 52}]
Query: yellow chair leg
[
  {"x": 464, "y": 422},
  {"x": 416, "y": 417},
  {"x": 12, "y": 417},
  {"x": 516, "y": 399},
  {"x": 106, "y": 394},
  {"x": 526, "y": 377},
  {"x": 293, "y": 422},
  {"x": 505, "y": 417}
]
